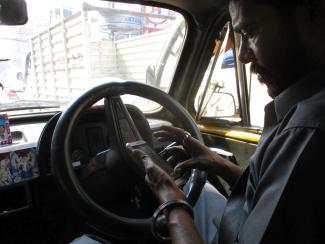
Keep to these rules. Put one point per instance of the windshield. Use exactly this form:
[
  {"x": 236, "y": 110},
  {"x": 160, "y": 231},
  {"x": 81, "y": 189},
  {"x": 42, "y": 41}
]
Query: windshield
[{"x": 69, "y": 46}]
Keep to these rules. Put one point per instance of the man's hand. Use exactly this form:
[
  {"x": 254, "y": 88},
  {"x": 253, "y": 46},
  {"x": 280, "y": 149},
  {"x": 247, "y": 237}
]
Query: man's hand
[
  {"x": 201, "y": 156},
  {"x": 180, "y": 223},
  {"x": 174, "y": 154},
  {"x": 161, "y": 184}
]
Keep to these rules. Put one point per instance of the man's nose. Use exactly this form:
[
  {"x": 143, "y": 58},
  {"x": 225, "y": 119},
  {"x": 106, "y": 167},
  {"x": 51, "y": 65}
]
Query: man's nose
[{"x": 246, "y": 54}]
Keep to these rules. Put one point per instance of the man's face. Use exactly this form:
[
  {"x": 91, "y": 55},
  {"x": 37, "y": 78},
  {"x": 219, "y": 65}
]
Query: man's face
[{"x": 268, "y": 42}]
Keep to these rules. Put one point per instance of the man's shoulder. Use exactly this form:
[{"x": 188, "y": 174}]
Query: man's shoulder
[{"x": 309, "y": 113}]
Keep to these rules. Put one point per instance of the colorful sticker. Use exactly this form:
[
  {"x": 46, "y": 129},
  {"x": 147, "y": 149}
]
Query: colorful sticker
[
  {"x": 18, "y": 166},
  {"x": 5, "y": 134}
]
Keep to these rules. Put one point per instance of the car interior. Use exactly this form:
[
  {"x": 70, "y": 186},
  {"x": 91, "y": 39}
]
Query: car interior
[{"x": 82, "y": 178}]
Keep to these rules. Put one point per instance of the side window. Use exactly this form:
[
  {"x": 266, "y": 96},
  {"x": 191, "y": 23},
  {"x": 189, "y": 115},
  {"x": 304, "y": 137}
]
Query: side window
[
  {"x": 217, "y": 97},
  {"x": 257, "y": 97}
]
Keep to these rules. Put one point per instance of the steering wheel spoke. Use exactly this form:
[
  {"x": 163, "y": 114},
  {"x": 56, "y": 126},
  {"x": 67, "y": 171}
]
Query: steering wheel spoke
[{"x": 119, "y": 121}]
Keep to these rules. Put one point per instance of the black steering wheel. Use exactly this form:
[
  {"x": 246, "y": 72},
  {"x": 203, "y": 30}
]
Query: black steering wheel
[{"x": 122, "y": 130}]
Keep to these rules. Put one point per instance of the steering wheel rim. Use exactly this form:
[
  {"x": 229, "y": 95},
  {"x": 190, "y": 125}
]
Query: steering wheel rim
[{"x": 64, "y": 173}]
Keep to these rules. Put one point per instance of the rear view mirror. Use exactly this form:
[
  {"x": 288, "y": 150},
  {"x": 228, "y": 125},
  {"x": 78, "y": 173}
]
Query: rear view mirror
[{"x": 13, "y": 12}]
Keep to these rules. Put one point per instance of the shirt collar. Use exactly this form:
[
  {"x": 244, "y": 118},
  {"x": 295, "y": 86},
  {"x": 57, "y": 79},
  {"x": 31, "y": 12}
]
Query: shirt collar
[{"x": 303, "y": 89}]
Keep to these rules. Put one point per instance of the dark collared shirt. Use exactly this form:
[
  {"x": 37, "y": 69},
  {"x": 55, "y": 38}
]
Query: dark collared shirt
[{"x": 279, "y": 197}]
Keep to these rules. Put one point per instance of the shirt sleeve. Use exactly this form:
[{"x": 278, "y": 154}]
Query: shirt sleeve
[{"x": 287, "y": 206}]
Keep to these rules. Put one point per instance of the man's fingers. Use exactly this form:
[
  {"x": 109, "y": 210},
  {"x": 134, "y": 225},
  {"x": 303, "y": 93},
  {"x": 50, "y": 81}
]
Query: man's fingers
[
  {"x": 186, "y": 166},
  {"x": 148, "y": 181},
  {"x": 164, "y": 139},
  {"x": 162, "y": 136},
  {"x": 172, "y": 129},
  {"x": 138, "y": 154},
  {"x": 169, "y": 133},
  {"x": 143, "y": 157},
  {"x": 159, "y": 182},
  {"x": 153, "y": 172},
  {"x": 174, "y": 150},
  {"x": 175, "y": 154}
]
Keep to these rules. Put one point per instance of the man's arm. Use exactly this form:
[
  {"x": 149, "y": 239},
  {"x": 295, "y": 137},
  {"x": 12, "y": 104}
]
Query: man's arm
[
  {"x": 180, "y": 222},
  {"x": 181, "y": 227},
  {"x": 229, "y": 171}
]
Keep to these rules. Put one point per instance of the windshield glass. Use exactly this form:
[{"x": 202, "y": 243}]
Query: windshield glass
[{"x": 69, "y": 46}]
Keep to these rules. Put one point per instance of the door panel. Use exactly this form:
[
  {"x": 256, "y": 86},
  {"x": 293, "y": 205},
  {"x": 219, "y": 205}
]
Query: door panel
[{"x": 241, "y": 150}]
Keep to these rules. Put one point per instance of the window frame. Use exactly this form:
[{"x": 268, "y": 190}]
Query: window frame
[{"x": 240, "y": 87}]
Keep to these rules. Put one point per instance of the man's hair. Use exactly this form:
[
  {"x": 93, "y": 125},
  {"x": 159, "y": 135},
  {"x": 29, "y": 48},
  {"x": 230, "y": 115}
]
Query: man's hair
[
  {"x": 280, "y": 2},
  {"x": 284, "y": 3},
  {"x": 285, "y": 7}
]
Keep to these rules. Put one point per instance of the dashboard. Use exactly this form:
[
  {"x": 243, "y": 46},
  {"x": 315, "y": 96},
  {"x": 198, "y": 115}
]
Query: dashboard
[{"x": 27, "y": 159}]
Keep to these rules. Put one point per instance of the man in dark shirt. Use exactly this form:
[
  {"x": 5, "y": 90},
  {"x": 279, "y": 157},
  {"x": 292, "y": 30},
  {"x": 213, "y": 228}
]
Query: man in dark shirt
[{"x": 277, "y": 199}]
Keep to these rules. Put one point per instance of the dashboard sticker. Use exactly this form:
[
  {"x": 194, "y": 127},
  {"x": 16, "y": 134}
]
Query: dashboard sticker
[
  {"x": 5, "y": 134},
  {"x": 17, "y": 166}
]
